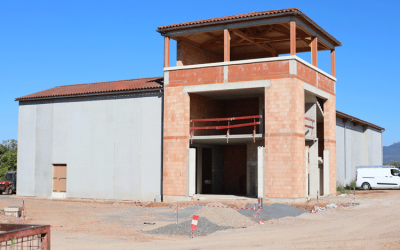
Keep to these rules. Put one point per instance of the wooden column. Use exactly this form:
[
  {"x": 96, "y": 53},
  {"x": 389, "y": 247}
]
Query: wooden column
[
  {"x": 227, "y": 46},
  {"x": 333, "y": 73},
  {"x": 166, "y": 51},
  {"x": 292, "y": 38},
  {"x": 314, "y": 51}
]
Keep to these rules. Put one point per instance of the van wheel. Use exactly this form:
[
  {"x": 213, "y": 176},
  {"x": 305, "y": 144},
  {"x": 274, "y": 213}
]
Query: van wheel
[{"x": 365, "y": 186}]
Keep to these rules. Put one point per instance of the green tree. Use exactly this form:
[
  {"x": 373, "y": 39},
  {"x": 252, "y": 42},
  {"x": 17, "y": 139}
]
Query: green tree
[{"x": 8, "y": 157}]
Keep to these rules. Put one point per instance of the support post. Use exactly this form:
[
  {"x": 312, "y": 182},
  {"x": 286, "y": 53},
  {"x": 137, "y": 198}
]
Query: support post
[
  {"x": 227, "y": 46},
  {"x": 191, "y": 162},
  {"x": 166, "y": 51},
  {"x": 306, "y": 170},
  {"x": 261, "y": 172},
  {"x": 292, "y": 38},
  {"x": 326, "y": 173},
  {"x": 333, "y": 73},
  {"x": 45, "y": 244},
  {"x": 314, "y": 51}
]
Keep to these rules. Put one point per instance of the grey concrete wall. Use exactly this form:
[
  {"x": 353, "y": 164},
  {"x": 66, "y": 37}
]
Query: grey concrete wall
[
  {"x": 375, "y": 147},
  {"x": 111, "y": 145},
  {"x": 363, "y": 147},
  {"x": 252, "y": 167}
]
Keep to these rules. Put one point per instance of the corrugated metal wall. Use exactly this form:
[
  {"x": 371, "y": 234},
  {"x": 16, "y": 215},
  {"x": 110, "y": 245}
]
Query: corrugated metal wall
[
  {"x": 111, "y": 145},
  {"x": 363, "y": 147}
]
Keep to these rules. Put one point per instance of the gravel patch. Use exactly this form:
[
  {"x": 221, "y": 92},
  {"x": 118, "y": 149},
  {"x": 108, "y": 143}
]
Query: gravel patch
[
  {"x": 223, "y": 216},
  {"x": 204, "y": 227},
  {"x": 274, "y": 211}
]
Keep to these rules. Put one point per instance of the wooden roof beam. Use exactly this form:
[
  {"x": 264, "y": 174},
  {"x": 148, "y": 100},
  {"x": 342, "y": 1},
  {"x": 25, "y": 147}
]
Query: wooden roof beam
[{"x": 247, "y": 38}]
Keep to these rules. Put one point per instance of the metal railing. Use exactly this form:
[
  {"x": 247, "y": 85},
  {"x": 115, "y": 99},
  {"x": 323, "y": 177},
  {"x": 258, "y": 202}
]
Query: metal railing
[
  {"x": 24, "y": 236},
  {"x": 310, "y": 127},
  {"x": 228, "y": 126}
]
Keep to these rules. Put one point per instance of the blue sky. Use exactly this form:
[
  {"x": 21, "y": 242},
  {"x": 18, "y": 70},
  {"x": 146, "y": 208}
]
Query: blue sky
[{"x": 52, "y": 43}]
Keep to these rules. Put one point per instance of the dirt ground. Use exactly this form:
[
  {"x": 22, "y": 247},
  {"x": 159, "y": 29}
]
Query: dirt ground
[{"x": 90, "y": 224}]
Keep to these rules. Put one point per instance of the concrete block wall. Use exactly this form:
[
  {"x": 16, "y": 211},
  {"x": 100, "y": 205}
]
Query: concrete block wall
[
  {"x": 284, "y": 120},
  {"x": 110, "y": 144},
  {"x": 284, "y": 139},
  {"x": 187, "y": 54},
  {"x": 201, "y": 107},
  {"x": 330, "y": 138},
  {"x": 176, "y": 140},
  {"x": 246, "y": 107}
]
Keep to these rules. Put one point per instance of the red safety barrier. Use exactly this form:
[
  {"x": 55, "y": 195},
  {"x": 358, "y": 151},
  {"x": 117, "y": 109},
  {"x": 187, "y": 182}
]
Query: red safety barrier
[
  {"x": 309, "y": 119},
  {"x": 228, "y": 127},
  {"x": 227, "y": 119}
]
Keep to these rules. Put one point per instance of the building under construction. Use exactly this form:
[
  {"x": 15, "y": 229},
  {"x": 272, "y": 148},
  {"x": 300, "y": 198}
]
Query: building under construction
[{"x": 240, "y": 114}]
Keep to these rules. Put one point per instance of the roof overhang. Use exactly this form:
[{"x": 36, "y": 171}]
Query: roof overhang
[
  {"x": 357, "y": 120},
  {"x": 253, "y": 19}
]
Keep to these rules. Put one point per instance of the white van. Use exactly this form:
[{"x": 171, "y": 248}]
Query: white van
[{"x": 377, "y": 177}]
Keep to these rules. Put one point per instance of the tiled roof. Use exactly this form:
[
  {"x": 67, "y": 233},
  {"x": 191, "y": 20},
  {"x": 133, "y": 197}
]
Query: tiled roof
[
  {"x": 225, "y": 18},
  {"x": 249, "y": 15},
  {"x": 98, "y": 87}
]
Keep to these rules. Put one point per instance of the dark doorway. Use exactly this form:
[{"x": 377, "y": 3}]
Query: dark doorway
[{"x": 207, "y": 170}]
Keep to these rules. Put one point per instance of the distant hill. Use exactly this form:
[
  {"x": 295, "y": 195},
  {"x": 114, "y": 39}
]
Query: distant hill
[{"x": 391, "y": 153}]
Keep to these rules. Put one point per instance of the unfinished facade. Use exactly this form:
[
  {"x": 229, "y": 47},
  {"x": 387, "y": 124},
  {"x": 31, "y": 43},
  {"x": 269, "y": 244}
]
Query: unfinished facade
[
  {"x": 239, "y": 118},
  {"x": 240, "y": 115}
]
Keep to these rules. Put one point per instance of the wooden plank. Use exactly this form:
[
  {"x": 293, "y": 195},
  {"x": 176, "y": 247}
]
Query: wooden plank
[
  {"x": 55, "y": 179},
  {"x": 62, "y": 179},
  {"x": 62, "y": 185},
  {"x": 62, "y": 172}
]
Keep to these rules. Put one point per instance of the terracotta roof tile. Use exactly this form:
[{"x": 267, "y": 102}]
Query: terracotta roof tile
[
  {"x": 251, "y": 14},
  {"x": 98, "y": 87},
  {"x": 225, "y": 18}
]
